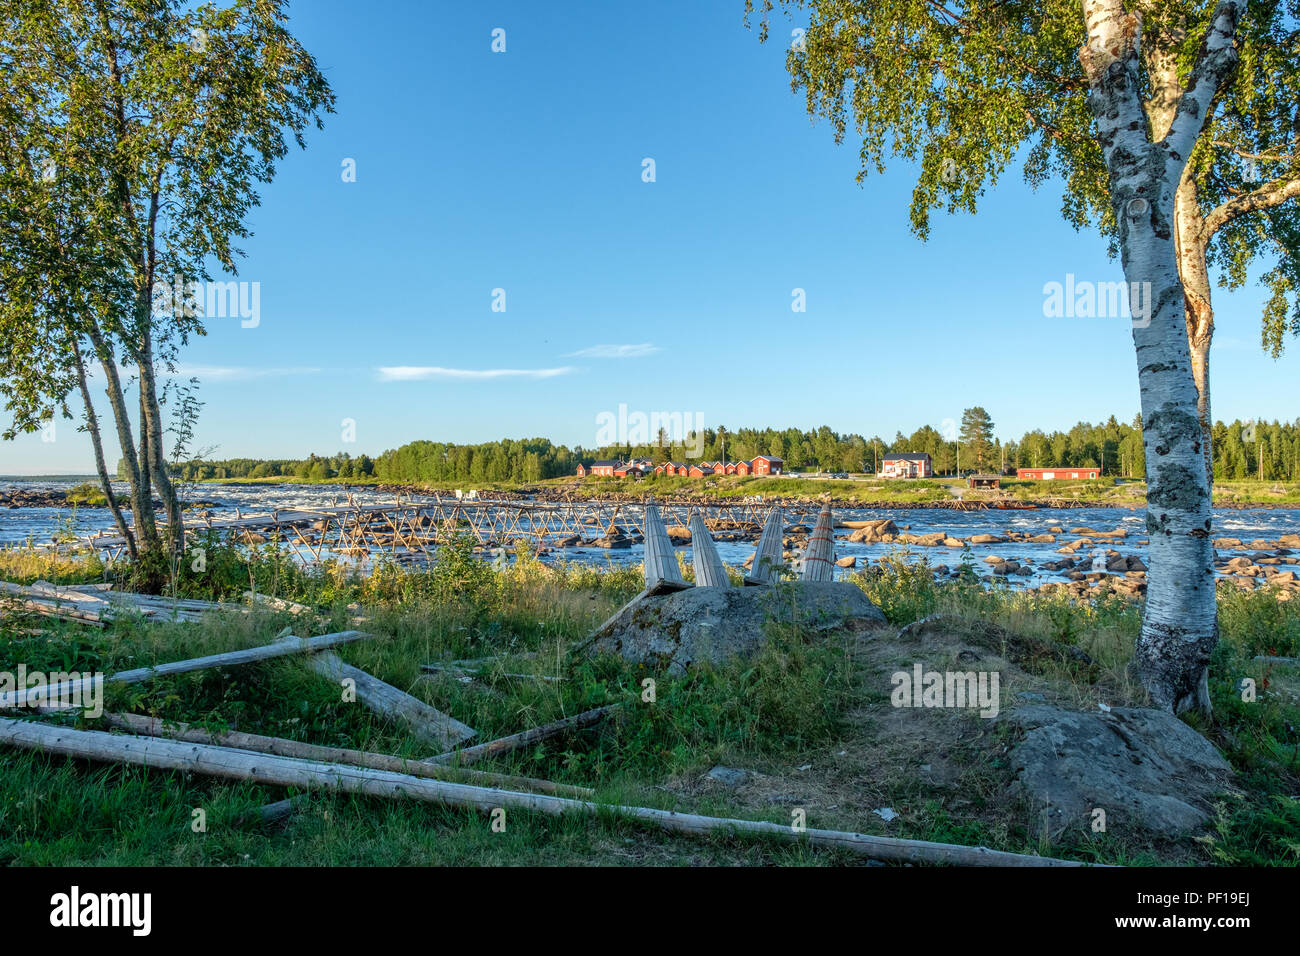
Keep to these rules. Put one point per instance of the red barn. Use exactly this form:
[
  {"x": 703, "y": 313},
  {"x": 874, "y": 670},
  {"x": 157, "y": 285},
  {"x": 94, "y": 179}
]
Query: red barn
[
  {"x": 699, "y": 471},
  {"x": 659, "y": 469},
  {"x": 1058, "y": 474},
  {"x": 729, "y": 468},
  {"x": 605, "y": 467},
  {"x": 582, "y": 470},
  {"x": 766, "y": 465},
  {"x": 742, "y": 468}
]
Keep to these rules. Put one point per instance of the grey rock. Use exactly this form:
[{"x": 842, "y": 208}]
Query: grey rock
[
  {"x": 673, "y": 631},
  {"x": 730, "y": 776},
  {"x": 1144, "y": 767}
]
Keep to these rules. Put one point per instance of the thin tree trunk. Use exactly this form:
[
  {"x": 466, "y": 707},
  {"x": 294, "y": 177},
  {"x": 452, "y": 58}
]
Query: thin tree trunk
[
  {"x": 92, "y": 424},
  {"x": 141, "y": 500},
  {"x": 1189, "y": 225}
]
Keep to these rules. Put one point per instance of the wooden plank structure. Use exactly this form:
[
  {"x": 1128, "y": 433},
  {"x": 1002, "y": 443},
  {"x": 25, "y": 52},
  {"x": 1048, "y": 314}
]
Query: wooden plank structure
[
  {"x": 709, "y": 570},
  {"x": 231, "y": 764},
  {"x": 662, "y": 573},
  {"x": 819, "y": 555},
  {"x": 768, "y": 559},
  {"x": 411, "y": 530},
  {"x": 425, "y": 722}
]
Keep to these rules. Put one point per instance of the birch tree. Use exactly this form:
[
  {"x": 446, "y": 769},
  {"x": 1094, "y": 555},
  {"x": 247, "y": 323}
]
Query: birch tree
[
  {"x": 964, "y": 90},
  {"x": 133, "y": 137}
]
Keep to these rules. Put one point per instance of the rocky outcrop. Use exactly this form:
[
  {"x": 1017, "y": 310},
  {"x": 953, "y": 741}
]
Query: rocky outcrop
[
  {"x": 1145, "y": 768},
  {"x": 674, "y": 631}
]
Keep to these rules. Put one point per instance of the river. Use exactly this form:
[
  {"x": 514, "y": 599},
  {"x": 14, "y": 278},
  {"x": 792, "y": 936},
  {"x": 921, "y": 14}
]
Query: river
[{"x": 37, "y": 525}]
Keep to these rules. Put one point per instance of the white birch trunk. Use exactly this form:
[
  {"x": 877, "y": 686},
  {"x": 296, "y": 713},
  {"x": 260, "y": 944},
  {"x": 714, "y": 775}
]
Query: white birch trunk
[{"x": 1180, "y": 624}]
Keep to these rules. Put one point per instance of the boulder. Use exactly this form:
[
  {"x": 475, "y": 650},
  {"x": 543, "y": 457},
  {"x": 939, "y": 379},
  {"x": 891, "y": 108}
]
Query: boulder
[
  {"x": 674, "y": 631},
  {"x": 1146, "y": 768},
  {"x": 987, "y": 539}
]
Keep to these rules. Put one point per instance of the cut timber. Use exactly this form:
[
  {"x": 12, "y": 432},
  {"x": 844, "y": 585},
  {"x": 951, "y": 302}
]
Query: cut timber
[
  {"x": 767, "y": 559},
  {"x": 662, "y": 573},
  {"x": 504, "y": 745},
  {"x": 276, "y": 812},
  {"x": 424, "y": 722},
  {"x": 281, "y": 648},
  {"x": 230, "y": 764},
  {"x": 153, "y": 727},
  {"x": 819, "y": 556},
  {"x": 709, "y": 572}
]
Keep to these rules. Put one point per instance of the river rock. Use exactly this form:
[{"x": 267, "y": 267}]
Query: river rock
[
  {"x": 1144, "y": 767},
  {"x": 674, "y": 631},
  {"x": 874, "y": 531},
  {"x": 987, "y": 539}
]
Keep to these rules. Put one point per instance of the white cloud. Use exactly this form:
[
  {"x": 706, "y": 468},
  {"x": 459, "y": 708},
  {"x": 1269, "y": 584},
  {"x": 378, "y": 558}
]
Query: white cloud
[
  {"x": 218, "y": 373},
  {"x": 617, "y": 351},
  {"x": 417, "y": 373}
]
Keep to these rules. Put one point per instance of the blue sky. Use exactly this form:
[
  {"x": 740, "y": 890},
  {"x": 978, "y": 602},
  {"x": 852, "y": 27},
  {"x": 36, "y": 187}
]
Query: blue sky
[{"x": 522, "y": 171}]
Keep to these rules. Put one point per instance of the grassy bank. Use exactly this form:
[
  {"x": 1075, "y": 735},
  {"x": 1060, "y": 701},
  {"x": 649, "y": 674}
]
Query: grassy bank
[{"x": 809, "y": 718}]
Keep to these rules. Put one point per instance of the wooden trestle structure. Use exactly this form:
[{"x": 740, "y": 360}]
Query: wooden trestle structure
[{"x": 408, "y": 529}]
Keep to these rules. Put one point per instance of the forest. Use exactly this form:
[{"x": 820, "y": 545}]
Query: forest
[{"x": 1268, "y": 451}]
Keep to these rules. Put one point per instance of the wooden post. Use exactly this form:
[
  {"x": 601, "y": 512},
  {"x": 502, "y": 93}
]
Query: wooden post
[
  {"x": 662, "y": 573},
  {"x": 230, "y": 764},
  {"x": 709, "y": 572},
  {"x": 767, "y": 559},
  {"x": 819, "y": 556},
  {"x": 425, "y": 722}
]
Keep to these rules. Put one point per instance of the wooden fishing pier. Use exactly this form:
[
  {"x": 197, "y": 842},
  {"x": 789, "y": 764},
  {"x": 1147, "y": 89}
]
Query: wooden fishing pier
[{"x": 407, "y": 529}]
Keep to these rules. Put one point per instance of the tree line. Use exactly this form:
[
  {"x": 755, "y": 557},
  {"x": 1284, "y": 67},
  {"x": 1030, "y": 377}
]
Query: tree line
[{"x": 1269, "y": 451}]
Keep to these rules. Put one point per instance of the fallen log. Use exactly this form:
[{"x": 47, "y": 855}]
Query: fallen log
[
  {"x": 425, "y": 722},
  {"x": 280, "y": 648},
  {"x": 275, "y": 812},
  {"x": 269, "y": 769},
  {"x": 504, "y": 745},
  {"x": 479, "y": 672},
  {"x": 280, "y": 746}
]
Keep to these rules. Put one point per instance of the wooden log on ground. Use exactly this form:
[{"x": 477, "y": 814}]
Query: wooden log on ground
[
  {"x": 819, "y": 555},
  {"x": 425, "y": 722},
  {"x": 662, "y": 573},
  {"x": 276, "y": 812},
  {"x": 280, "y": 746},
  {"x": 709, "y": 571},
  {"x": 504, "y": 745},
  {"x": 767, "y": 558},
  {"x": 229, "y": 764},
  {"x": 281, "y": 648},
  {"x": 472, "y": 672}
]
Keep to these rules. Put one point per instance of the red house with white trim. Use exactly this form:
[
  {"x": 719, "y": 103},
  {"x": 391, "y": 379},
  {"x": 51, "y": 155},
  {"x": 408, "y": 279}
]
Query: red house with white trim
[
  {"x": 766, "y": 465},
  {"x": 1058, "y": 474}
]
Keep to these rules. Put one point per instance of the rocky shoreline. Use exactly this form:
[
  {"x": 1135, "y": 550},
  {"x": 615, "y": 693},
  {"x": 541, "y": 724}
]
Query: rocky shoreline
[{"x": 15, "y": 498}]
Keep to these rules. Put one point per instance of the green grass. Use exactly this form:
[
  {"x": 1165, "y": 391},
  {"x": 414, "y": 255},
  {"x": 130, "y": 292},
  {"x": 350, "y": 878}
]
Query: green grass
[{"x": 799, "y": 701}]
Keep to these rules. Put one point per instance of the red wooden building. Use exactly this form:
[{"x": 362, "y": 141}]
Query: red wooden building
[
  {"x": 766, "y": 465},
  {"x": 1058, "y": 474},
  {"x": 910, "y": 465}
]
